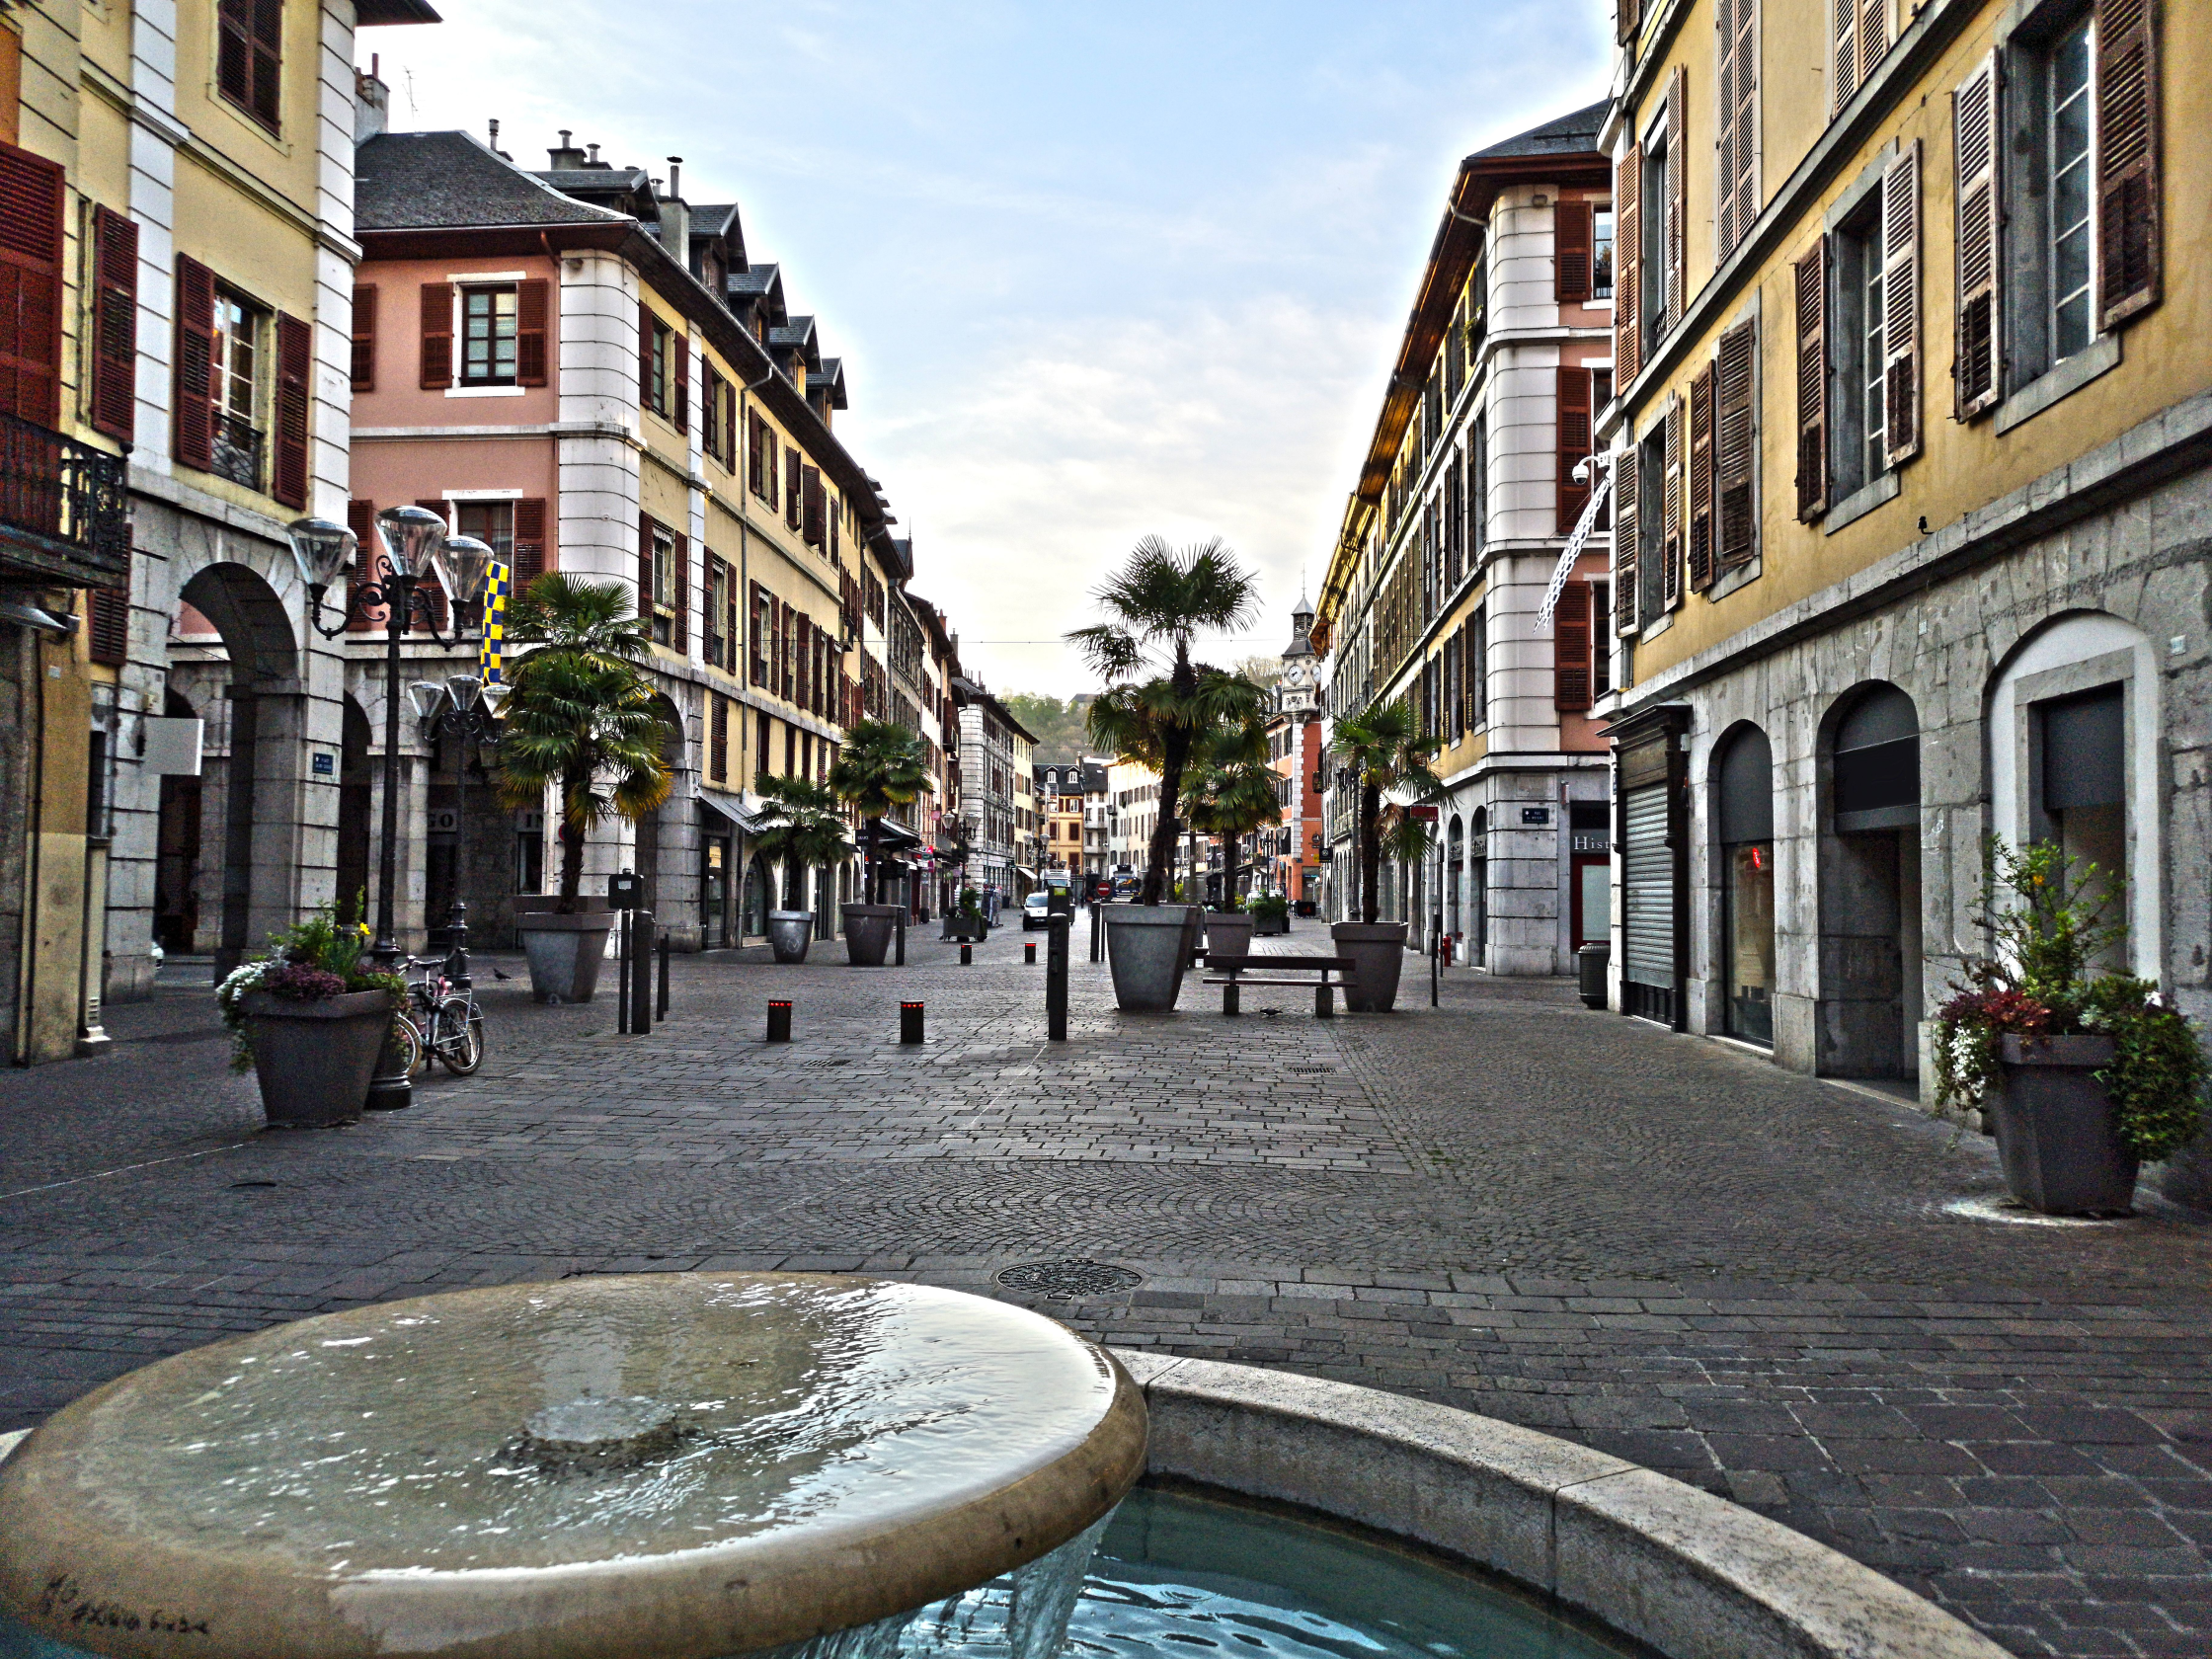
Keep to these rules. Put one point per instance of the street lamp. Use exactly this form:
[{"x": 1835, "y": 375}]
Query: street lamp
[{"x": 461, "y": 707}]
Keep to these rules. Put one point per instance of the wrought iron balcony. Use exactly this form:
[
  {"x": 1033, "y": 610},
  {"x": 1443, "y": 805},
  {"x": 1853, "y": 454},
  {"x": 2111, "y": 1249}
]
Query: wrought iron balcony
[
  {"x": 64, "y": 509},
  {"x": 237, "y": 451}
]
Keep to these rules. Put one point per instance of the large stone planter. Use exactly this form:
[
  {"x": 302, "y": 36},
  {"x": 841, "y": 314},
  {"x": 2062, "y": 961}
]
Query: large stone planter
[
  {"x": 790, "y": 932},
  {"x": 565, "y": 952},
  {"x": 1147, "y": 946},
  {"x": 2056, "y": 1131},
  {"x": 1228, "y": 935},
  {"x": 868, "y": 929},
  {"x": 1378, "y": 950},
  {"x": 314, "y": 1059},
  {"x": 1268, "y": 926}
]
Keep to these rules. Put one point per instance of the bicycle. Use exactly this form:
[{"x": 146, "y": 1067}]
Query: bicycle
[{"x": 439, "y": 1020}]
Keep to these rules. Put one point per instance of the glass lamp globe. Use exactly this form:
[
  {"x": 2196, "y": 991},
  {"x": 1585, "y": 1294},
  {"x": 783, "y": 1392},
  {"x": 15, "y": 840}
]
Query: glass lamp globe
[
  {"x": 413, "y": 538},
  {"x": 427, "y": 696},
  {"x": 320, "y": 549},
  {"x": 465, "y": 689},
  {"x": 466, "y": 565}
]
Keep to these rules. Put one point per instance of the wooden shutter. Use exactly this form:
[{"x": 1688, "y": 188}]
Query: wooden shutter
[
  {"x": 249, "y": 55},
  {"x": 752, "y": 452},
  {"x": 1699, "y": 546},
  {"x": 816, "y": 513},
  {"x": 1570, "y": 649},
  {"x": 756, "y": 638},
  {"x": 1571, "y": 249},
  {"x": 1845, "y": 36},
  {"x": 719, "y": 739},
  {"x": 644, "y": 357},
  {"x": 1625, "y": 21},
  {"x": 1627, "y": 264},
  {"x": 437, "y": 337},
  {"x": 1900, "y": 316},
  {"x": 2128, "y": 194},
  {"x": 1976, "y": 370},
  {"x": 115, "y": 324},
  {"x": 1678, "y": 198},
  {"x": 1626, "y": 523},
  {"x": 364, "y": 338},
  {"x": 794, "y": 488},
  {"x": 679, "y": 351},
  {"x": 1669, "y": 552},
  {"x": 1874, "y": 37},
  {"x": 296, "y": 363},
  {"x": 528, "y": 563},
  {"x": 1737, "y": 117},
  {"x": 108, "y": 620},
  {"x": 1736, "y": 444},
  {"x": 360, "y": 518},
  {"x": 30, "y": 209},
  {"x": 1570, "y": 498},
  {"x": 193, "y": 412},
  {"x": 532, "y": 344},
  {"x": 1810, "y": 275},
  {"x": 680, "y": 589}
]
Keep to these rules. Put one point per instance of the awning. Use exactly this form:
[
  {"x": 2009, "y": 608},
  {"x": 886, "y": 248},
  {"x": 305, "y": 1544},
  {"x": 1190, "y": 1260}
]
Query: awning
[
  {"x": 719, "y": 817},
  {"x": 892, "y": 835},
  {"x": 1025, "y": 872}
]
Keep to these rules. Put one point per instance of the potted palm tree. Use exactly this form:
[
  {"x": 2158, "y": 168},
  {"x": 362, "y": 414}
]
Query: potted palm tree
[
  {"x": 800, "y": 825},
  {"x": 581, "y": 723},
  {"x": 1157, "y": 706},
  {"x": 1385, "y": 748},
  {"x": 1233, "y": 792},
  {"x": 881, "y": 766}
]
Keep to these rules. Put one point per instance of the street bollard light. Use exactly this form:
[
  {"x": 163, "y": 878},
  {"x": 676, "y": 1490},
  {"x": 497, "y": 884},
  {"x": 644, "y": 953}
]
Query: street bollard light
[
  {"x": 1055, "y": 977},
  {"x": 1029, "y": 953},
  {"x": 779, "y": 1022},
  {"x": 641, "y": 973},
  {"x": 909, "y": 1022},
  {"x": 967, "y": 956}
]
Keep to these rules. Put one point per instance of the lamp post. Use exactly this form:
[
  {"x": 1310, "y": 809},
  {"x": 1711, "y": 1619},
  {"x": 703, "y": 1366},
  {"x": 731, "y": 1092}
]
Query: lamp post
[
  {"x": 414, "y": 546},
  {"x": 465, "y": 708}
]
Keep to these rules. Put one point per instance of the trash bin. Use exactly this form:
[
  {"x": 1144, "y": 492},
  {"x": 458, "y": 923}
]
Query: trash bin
[{"x": 1592, "y": 960}]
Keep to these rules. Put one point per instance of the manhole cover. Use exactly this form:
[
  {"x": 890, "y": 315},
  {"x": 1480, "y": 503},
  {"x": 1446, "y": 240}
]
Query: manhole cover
[
  {"x": 1063, "y": 1281},
  {"x": 825, "y": 1063},
  {"x": 1312, "y": 1069}
]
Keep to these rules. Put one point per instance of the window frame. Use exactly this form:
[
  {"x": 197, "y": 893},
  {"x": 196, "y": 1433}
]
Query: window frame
[
  {"x": 254, "y": 29},
  {"x": 465, "y": 292},
  {"x": 260, "y": 320}
]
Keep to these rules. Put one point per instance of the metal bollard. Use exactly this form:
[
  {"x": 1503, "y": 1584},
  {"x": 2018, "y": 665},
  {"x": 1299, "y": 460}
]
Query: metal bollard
[
  {"x": 640, "y": 977},
  {"x": 1055, "y": 979},
  {"x": 899, "y": 937},
  {"x": 623, "y": 979},
  {"x": 779, "y": 1022},
  {"x": 1097, "y": 930},
  {"x": 909, "y": 1022},
  {"x": 1029, "y": 953},
  {"x": 661, "y": 1007},
  {"x": 967, "y": 955}
]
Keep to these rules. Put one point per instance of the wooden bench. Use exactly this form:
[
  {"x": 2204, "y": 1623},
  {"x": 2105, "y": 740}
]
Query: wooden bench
[{"x": 1234, "y": 971}]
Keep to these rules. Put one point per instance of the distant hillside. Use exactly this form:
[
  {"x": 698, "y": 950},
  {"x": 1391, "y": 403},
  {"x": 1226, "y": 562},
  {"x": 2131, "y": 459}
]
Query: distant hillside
[{"x": 1059, "y": 725}]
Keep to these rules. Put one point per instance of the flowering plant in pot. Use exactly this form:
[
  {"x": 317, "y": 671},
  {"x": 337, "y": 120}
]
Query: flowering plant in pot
[
  {"x": 310, "y": 1019},
  {"x": 1271, "y": 914},
  {"x": 2082, "y": 1074}
]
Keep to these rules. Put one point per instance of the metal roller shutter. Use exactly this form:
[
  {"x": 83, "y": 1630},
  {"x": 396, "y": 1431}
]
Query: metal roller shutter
[{"x": 1648, "y": 872}]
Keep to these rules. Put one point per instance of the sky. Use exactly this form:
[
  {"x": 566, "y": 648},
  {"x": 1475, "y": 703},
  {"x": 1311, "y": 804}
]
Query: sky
[{"x": 1094, "y": 270}]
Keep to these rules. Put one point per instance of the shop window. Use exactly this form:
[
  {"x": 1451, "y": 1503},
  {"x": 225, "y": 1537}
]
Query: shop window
[{"x": 1745, "y": 823}]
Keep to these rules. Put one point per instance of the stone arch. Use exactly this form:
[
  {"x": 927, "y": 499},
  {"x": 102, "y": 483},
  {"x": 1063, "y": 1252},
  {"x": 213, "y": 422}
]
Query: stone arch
[
  {"x": 2071, "y": 723},
  {"x": 1868, "y": 862},
  {"x": 356, "y": 797},
  {"x": 1478, "y": 889},
  {"x": 1455, "y": 877},
  {"x": 663, "y": 845},
  {"x": 1742, "y": 789}
]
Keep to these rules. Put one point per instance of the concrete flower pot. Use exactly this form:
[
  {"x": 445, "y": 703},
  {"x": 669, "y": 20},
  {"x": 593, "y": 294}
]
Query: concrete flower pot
[
  {"x": 1267, "y": 926},
  {"x": 1147, "y": 946},
  {"x": 868, "y": 931},
  {"x": 1378, "y": 949},
  {"x": 565, "y": 952},
  {"x": 790, "y": 932},
  {"x": 2056, "y": 1131},
  {"x": 1228, "y": 935},
  {"x": 314, "y": 1059}
]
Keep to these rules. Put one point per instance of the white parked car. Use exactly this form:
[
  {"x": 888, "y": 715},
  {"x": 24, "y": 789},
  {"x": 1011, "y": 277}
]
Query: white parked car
[{"x": 1035, "y": 908}]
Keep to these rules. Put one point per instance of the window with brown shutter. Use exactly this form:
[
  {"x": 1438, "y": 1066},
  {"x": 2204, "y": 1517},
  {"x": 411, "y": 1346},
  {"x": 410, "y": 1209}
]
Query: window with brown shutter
[
  {"x": 295, "y": 361},
  {"x": 1569, "y": 496},
  {"x": 1570, "y": 252},
  {"x": 437, "y": 337},
  {"x": 364, "y": 338},
  {"x": 754, "y": 454},
  {"x": 680, "y": 353},
  {"x": 250, "y": 56},
  {"x": 193, "y": 404},
  {"x": 529, "y": 544},
  {"x": 680, "y": 593},
  {"x": 794, "y": 478},
  {"x": 648, "y": 357},
  {"x": 816, "y": 528},
  {"x": 1626, "y": 19},
  {"x": 533, "y": 354},
  {"x": 2129, "y": 243},
  {"x": 1736, "y": 113},
  {"x": 108, "y": 620},
  {"x": 718, "y": 750},
  {"x": 30, "y": 209},
  {"x": 1570, "y": 649},
  {"x": 644, "y": 570},
  {"x": 1697, "y": 551},
  {"x": 1811, "y": 277},
  {"x": 1669, "y": 549},
  {"x": 1901, "y": 330},
  {"x": 1974, "y": 371},
  {"x": 360, "y": 518},
  {"x": 1736, "y": 444},
  {"x": 710, "y": 410},
  {"x": 1677, "y": 200},
  {"x": 1627, "y": 526},
  {"x": 758, "y": 635},
  {"x": 1601, "y": 639},
  {"x": 1627, "y": 249},
  {"x": 112, "y": 404}
]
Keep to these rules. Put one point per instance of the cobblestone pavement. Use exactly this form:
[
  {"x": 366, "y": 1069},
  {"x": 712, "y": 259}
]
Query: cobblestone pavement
[{"x": 1796, "y": 1295}]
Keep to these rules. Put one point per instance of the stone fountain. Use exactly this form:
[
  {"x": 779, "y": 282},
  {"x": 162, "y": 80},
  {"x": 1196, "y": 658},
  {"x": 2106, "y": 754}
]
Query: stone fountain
[{"x": 660, "y": 1467}]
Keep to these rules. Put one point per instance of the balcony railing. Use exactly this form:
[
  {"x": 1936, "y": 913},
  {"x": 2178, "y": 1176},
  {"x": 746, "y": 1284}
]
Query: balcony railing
[
  {"x": 237, "y": 451},
  {"x": 64, "y": 510}
]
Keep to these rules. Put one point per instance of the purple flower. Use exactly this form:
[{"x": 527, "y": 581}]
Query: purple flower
[{"x": 302, "y": 984}]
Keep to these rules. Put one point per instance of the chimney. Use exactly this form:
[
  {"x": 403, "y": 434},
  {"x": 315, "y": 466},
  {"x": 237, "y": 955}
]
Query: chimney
[
  {"x": 372, "y": 101},
  {"x": 595, "y": 161},
  {"x": 567, "y": 158},
  {"x": 676, "y": 218},
  {"x": 493, "y": 143}
]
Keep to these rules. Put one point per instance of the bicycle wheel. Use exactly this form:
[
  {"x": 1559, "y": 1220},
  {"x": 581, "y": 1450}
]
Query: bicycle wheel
[
  {"x": 411, "y": 1045},
  {"x": 458, "y": 1035}
]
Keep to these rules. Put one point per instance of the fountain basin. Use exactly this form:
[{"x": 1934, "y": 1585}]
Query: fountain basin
[{"x": 661, "y": 1466}]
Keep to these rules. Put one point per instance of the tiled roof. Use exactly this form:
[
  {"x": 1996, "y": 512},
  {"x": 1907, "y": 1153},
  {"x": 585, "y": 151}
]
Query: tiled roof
[
  {"x": 1576, "y": 132},
  {"x": 427, "y": 181}
]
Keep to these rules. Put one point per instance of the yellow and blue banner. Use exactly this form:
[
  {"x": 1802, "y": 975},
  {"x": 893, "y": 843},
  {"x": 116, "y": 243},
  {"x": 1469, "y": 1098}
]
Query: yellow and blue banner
[{"x": 488, "y": 653}]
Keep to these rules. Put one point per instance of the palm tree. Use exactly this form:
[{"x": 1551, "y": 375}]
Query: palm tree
[
  {"x": 1155, "y": 604},
  {"x": 800, "y": 825},
  {"x": 1385, "y": 749},
  {"x": 1234, "y": 791},
  {"x": 581, "y": 717},
  {"x": 881, "y": 766}
]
